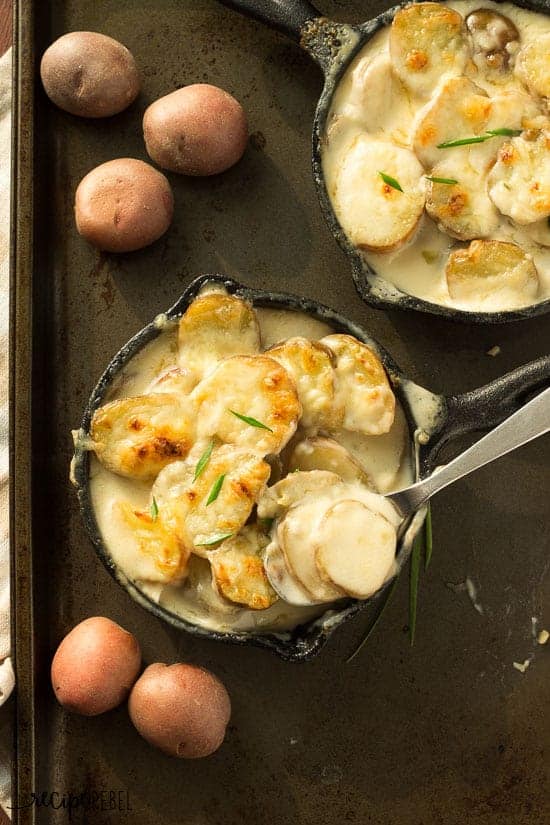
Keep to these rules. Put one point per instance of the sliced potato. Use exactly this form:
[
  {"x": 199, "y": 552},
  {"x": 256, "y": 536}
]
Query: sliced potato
[
  {"x": 494, "y": 39},
  {"x": 292, "y": 489},
  {"x": 238, "y": 570},
  {"x": 158, "y": 553},
  {"x": 175, "y": 381},
  {"x": 362, "y": 386},
  {"x": 233, "y": 479},
  {"x": 256, "y": 387},
  {"x": 459, "y": 109},
  {"x": 497, "y": 270},
  {"x": 427, "y": 42},
  {"x": 463, "y": 209},
  {"x": 327, "y": 454},
  {"x": 216, "y": 326},
  {"x": 533, "y": 65},
  {"x": 310, "y": 365},
  {"x": 284, "y": 584},
  {"x": 380, "y": 456},
  {"x": 355, "y": 548},
  {"x": 137, "y": 437},
  {"x": 373, "y": 83},
  {"x": 295, "y": 539},
  {"x": 519, "y": 182},
  {"x": 374, "y": 214}
]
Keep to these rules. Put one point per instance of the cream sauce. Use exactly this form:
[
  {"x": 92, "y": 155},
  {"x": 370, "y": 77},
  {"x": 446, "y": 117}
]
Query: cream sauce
[
  {"x": 387, "y": 460},
  {"x": 389, "y": 113}
]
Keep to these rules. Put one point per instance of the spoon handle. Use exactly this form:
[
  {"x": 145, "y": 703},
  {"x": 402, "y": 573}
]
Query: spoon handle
[{"x": 532, "y": 420}]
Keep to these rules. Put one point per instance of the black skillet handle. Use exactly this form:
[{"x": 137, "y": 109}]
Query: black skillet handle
[
  {"x": 287, "y": 16},
  {"x": 485, "y": 407}
]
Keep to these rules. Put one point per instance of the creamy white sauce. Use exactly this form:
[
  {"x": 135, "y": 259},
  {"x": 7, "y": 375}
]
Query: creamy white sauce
[
  {"x": 417, "y": 267},
  {"x": 387, "y": 460}
]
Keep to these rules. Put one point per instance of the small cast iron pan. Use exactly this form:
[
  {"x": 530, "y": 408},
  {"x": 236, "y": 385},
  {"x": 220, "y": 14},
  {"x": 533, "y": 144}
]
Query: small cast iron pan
[
  {"x": 437, "y": 419},
  {"x": 333, "y": 46}
]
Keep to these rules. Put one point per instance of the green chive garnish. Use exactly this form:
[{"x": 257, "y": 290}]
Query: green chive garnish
[
  {"x": 464, "y": 141},
  {"x": 214, "y": 540},
  {"x": 413, "y": 584},
  {"x": 215, "y": 491},
  {"x": 390, "y": 181},
  {"x": 429, "y": 538},
  {"x": 450, "y": 181},
  {"x": 252, "y": 421},
  {"x": 154, "y": 509},
  {"x": 504, "y": 132},
  {"x": 203, "y": 460}
]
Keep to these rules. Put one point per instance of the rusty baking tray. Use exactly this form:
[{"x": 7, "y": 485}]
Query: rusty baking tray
[{"x": 446, "y": 732}]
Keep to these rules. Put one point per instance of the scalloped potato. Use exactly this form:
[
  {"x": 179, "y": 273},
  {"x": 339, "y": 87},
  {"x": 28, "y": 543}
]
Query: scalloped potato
[
  {"x": 226, "y": 534},
  {"x": 460, "y": 90}
]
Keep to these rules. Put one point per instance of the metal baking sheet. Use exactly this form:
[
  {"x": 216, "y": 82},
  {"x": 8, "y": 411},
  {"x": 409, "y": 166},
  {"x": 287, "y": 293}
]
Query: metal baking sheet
[{"x": 446, "y": 732}]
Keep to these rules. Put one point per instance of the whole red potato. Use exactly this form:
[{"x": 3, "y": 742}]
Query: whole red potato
[
  {"x": 95, "y": 666},
  {"x": 89, "y": 74},
  {"x": 123, "y": 205},
  {"x": 181, "y": 709},
  {"x": 197, "y": 130}
]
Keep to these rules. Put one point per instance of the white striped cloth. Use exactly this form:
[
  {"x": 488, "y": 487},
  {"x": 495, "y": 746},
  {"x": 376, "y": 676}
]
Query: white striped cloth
[{"x": 7, "y": 680}]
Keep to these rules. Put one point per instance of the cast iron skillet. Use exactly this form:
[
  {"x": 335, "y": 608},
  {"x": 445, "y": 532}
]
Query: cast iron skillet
[
  {"x": 433, "y": 421},
  {"x": 333, "y": 46}
]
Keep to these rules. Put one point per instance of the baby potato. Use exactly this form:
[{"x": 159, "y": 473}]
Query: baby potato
[
  {"x": 497, "y": 270},
  {"x": 181, "y": 709},
  {"x": 89, "y": 74},
  {"x": 95, "y": 666},
  {"x": 519, "y": 182},
  {"x": 362, "y": 386},
  {"x": 378, "y": 215},
  {"x": 533, "y": 65},
  {"x": 310, "y": 365},
  {"x": 137, "y": 437},
  {"x": 250, "y": 401},
  {"x": 197, "y": 130},
  {"x": 123, "y": 205},
  {"x": 491, "y": 33},
  {"x": 238, "y": 570},
  {"x": 427, "y": 43},
  {"x": 328, "y": 454},
  {"x": 462, "y": 209},
  {"x": 216, "y": 326}
]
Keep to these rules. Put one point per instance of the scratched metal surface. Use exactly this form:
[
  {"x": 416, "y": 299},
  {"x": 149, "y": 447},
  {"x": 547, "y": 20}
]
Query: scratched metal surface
[{"x": 447, "y": 732}]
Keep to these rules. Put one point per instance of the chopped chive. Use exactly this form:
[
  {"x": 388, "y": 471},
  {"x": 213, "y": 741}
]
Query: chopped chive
[
  {"x": 464, "y": 141},
  {"x": 413, "y": 584},
  {"x": 215, "y": 491},
  {"x": 441, "y": 180},
  {"x": 504, "y": 132},
  {"x": 429, "y": 538},
  {"x": 154, "y": 509},
  {"x": 203, "y": 460},
  {"x": 374, "y": 622},
  {"x": 390, "y": 181},
  {"x": 252, "y": 421},
  {"x": 214, "y": 540}
]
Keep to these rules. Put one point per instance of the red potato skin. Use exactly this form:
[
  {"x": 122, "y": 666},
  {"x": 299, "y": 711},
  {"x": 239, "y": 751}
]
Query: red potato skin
[
  {"x": 123, "y": 205},
  {"x": 89, "y": 74},
  {"x": 197, "y": 130},
  {"x": 95, "y": 666},
  {"x": 181, "y": 709}
]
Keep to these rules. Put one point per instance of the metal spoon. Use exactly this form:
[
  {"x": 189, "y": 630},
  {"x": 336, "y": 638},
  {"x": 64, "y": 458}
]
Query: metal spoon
[{"x": 531, "y": 421}]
